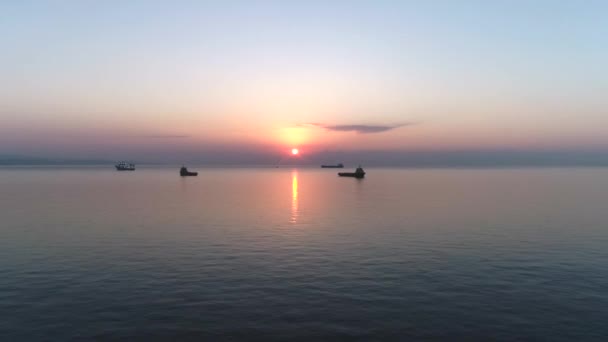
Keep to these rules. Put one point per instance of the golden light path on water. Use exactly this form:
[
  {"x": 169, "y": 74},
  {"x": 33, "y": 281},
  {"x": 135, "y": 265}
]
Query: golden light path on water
[{"x": 294, "y": 197}]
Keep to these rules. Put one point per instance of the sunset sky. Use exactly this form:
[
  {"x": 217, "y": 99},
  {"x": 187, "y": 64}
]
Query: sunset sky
[{"x": 169, "y": 80}]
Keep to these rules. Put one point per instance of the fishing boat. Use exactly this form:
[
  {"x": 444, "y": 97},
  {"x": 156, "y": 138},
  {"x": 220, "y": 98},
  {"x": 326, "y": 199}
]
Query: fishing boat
[
  {"x": 184, "y": 172},
  {"x": 337, "y": 166},
  {"x": 359, "y": 173},
  {"x": 124, "y": 166}
]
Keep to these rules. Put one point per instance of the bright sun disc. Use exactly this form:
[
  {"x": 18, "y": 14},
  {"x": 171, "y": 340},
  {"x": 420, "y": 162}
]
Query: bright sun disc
[{"x": 294, "y": 151}]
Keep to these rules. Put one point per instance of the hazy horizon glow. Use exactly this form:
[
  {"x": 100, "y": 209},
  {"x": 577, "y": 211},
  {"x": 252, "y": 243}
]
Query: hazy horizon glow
[{"x": 162, "y": 79}]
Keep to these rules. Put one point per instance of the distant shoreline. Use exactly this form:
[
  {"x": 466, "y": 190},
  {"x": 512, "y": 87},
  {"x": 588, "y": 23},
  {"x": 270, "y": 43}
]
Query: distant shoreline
[{"x": 301, "y": 166}]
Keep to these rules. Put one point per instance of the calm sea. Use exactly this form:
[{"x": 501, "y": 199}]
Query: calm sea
[{"x": 301, "y": 254}]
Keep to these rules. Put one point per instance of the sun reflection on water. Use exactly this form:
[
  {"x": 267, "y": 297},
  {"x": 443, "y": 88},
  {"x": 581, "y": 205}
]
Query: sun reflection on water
[{"x": 294, "y": 197}]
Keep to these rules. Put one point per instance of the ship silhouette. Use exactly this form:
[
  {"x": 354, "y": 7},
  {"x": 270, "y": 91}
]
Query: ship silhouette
[
  {"x": 124, "y": 166},
  {"x": 337, "y": 166},
  {"x": 359, "y": 173},
  {"x": 184, "y": 172}
]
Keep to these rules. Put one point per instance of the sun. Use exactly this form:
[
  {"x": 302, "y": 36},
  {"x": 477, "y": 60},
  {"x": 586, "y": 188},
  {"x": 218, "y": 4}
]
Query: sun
[{"x": 294, "y": 151}]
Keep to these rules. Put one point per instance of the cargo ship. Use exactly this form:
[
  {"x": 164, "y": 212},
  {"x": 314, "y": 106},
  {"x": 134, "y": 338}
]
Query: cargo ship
[
  {"x": 359, "y": 173},
  {"x": 337, "y": 166},
  {"x": 184, "y": 172},
  {"x": 124, "y": 166}
]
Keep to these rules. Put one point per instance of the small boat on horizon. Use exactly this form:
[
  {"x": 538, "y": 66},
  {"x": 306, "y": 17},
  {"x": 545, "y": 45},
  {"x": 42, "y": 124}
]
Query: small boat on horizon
[
  {"x": 184, "y": 172},
  {"x": 124, "y": 166},
  {"x": 359, "y": 173},
  {"x": 337, "y": 166}
]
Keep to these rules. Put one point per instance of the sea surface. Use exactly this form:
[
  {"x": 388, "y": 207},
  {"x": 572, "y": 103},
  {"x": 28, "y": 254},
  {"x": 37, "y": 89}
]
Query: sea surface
[{"x": 290, "y": 254}]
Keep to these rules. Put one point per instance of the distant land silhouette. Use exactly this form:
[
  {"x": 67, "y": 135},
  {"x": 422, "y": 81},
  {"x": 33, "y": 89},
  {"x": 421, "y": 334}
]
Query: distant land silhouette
[
  {"x": 348, "y": 158},
  {"x": 28, "y": 160}
]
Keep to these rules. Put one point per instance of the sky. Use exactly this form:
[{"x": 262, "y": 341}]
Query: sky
[{"x": 250, "y": 80}]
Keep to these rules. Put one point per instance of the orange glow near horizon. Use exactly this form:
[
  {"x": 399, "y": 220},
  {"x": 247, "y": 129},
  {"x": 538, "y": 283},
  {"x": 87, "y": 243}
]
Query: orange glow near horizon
[{"x": 294, "y": 135}]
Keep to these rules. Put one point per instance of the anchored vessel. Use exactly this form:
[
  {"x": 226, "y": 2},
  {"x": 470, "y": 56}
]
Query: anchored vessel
[
  {"x": 184, "y": 172},
  {"x": 359, "y": 173},
  {"x": 337, "y": 166},
  {"x": 124, "y": 166}
]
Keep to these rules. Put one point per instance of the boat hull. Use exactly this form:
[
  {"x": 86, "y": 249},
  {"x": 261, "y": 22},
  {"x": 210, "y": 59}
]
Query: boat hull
[
  {"x": 118, "y": 168},
  {"x": 187, "y": 174},
  {"x": 351, "y": 174}
]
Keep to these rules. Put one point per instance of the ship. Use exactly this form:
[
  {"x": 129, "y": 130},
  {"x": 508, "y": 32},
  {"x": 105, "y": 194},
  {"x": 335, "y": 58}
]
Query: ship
[
  {"x": 184, "y": 172},
  {"x": 124, "y": 166},
  {"x": 337, "y": 166},
  {"x": 359, "y": 173}
]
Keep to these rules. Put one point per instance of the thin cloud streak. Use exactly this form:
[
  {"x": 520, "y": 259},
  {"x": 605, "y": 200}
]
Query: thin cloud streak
[
  {"x": 361, "y": 129},
  {"x": 163, "y": 136}
]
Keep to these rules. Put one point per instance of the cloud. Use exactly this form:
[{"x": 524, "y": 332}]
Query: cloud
[
  {"x": 164, "y": 136},
  {"x": 362, "y": 129}
]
